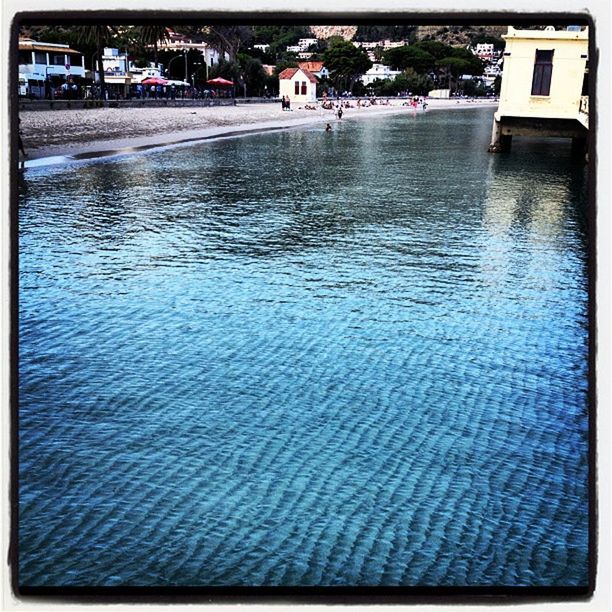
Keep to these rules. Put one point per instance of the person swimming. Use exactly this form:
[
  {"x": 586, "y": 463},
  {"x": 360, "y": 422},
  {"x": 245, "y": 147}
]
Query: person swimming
[{"x": 328, "y": 127}]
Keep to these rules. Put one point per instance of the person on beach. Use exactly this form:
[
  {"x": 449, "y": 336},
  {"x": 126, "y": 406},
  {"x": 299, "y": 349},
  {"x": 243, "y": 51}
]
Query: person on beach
[{"x": 340, "y": 113}]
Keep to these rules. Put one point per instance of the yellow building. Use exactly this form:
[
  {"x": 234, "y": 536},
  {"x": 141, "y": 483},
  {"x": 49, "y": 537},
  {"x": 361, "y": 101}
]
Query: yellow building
[{"x": 544, "y": 86}]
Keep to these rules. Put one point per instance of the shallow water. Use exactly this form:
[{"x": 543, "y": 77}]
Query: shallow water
[{"x": 304, "y": 358}]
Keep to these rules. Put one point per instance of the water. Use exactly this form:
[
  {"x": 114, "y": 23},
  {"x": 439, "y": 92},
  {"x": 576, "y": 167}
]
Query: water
[{"x": 305, "y": 358}]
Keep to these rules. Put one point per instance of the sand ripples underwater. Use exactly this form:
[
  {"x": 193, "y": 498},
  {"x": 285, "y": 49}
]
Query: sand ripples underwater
[{"x": 306, "y": 359}]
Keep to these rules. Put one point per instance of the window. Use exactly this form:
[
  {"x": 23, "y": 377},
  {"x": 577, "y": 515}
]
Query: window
[
  {"x": 25, "y": 57},
  {"x": 40, "y": 58},
  {"x": 297, "y": 88},
  {"x": 303, "y": 88},
  {"x": 59, "y": 60},
  {"x": 542, "y": 73}
]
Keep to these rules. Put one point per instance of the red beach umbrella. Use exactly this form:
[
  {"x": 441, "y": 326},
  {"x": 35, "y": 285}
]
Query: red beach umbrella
[
  {"x": 220, "y": 81},
  {"x": 154, "y": 81}
]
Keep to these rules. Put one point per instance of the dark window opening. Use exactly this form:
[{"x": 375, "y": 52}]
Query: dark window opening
[
  {"x": 585, "y": 85},
  {"x": 303, "y": 88},
  {"x": 542, "y": 73},
  {"x": 40, "y": 58},
  {"x": 297, "y": 88}
]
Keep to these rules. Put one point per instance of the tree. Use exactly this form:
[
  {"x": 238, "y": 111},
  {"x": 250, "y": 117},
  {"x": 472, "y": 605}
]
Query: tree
[
  {"x": 404, "y": 57},
  {"x": 253, "y": 74},
  {"x": 383, "y": 32},
  {"x": 98, "y": 36},
  {"x": 228, "y": 39},
  {"x": 346, "y": 63},
  {"x": 499, "y": 44},
  {"x": 433, "y": 47},
  {"x": 151, "y": 35}
]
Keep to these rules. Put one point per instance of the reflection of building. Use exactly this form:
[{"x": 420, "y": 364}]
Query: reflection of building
[
  {"x": 43, "y": 62},
  {"x": 544, "y": 86},
  {"x": 298, "y": 84}
]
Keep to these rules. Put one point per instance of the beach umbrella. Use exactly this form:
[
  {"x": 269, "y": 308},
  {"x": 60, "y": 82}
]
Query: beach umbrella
[
  {"x": 220, "y": 81},
  {"x": 154, "y": 81}
]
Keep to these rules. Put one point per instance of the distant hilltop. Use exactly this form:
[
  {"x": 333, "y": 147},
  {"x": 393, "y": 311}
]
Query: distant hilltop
[
  {"x": 457, "y": 35},
  {"x": 347, "y": 32}
]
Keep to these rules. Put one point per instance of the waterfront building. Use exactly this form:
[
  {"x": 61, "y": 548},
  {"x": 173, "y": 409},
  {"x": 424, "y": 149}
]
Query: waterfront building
[
  {"x": 44, "y": 66},
  {"x": 379, "y": 71},
  {"x": 299, "y": 84},
  {"x": 544, "y": 86}
]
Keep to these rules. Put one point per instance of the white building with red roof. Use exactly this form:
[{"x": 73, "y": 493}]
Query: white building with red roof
[{"x": 299, "y": 84}]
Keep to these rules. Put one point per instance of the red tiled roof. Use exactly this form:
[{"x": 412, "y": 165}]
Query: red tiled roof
[
  {"x": 289, "y": 73},
  {"x": 314, "y": 66}
]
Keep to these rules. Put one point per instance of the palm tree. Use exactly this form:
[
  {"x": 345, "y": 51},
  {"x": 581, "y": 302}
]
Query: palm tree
[
  {"x": 227, "y": 39},
  {"x": 151, "y": 35},
  {"x": 98, "y": 36}
]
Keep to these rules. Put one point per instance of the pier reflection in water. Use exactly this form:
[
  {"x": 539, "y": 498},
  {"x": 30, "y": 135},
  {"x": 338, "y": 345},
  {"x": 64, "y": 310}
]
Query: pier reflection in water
[{"x": 306, "y": 358}]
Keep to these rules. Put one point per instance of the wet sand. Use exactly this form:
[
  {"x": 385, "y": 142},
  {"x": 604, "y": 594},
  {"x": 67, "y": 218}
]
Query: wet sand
[{"x": 92, "y": 132}]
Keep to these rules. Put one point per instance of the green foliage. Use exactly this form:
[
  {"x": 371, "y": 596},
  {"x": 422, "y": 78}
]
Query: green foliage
[
  {"x": 413, "y": 57},
  {"x": 253, "y": 74},
  {"x": 345, "y": 63},
  {"x": 433, "y": 47},
  {"x": 473, "y": 87},
  {"x": 499, "y": 44},
  {"x": 497, "y": 85},
  {"x": 279, "y": 37},
  {"x": 228, "y": 39},
  {"x": 285, "y": 63},
  {"x": 408, "y": 81},
  {"x": 374, "y": 33},
  {"x": 226, "y": 70}
]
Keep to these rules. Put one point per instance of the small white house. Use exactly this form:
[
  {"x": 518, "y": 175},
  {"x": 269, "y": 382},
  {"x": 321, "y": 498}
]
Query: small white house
[
  {"x": 379, "y": 71},
  {"x": 299, "y": 84}
]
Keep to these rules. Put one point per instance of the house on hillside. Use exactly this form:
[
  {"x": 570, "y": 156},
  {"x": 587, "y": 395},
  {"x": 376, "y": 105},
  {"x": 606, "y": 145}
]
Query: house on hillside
[
  {"x": 379, "y": 71},
  {"x": 299, "y": 84},
  {"x": 315, "y": 67},
  {"x": 544, "y": 90}
]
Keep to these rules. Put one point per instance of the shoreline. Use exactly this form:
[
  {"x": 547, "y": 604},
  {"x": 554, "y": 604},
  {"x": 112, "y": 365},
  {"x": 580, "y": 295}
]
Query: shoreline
[{"x": 57, "y": 136}]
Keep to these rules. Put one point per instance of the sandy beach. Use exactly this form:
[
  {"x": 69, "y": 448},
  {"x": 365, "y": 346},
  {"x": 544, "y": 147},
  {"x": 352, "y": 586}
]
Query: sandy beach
[{"x": 96, "y": 131}]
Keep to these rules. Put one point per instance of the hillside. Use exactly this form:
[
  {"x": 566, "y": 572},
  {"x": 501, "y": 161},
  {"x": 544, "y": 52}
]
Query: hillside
[
  {"x": 346, "y": 32},
  {"x": 451, "y": 35},
  {"x": 457, "y": 35}
]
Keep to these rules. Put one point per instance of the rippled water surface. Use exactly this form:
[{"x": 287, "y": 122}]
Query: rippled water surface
[{"x": 304, "y": 358}]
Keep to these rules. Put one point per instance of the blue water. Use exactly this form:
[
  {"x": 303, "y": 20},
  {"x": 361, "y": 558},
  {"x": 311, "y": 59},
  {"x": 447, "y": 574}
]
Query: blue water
[{"x": 303, "y": 358}]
